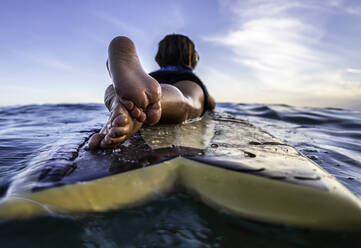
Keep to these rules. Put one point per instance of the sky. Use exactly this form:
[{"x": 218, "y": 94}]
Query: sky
[{"x": 300, "y": 53}]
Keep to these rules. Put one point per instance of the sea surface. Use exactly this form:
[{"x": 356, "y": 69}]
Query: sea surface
[{"x": 331, "y": 137}]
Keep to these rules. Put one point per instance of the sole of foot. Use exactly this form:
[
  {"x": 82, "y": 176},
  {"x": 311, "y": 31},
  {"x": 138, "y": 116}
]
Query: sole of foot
[{"x": 139, "y": 92}]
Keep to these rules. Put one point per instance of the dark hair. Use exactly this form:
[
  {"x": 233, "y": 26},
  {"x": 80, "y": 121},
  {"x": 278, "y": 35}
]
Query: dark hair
[{"x": 177, "y": 49}]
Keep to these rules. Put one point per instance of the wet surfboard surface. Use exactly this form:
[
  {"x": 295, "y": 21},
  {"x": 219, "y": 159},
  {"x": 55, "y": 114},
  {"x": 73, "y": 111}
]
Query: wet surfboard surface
[{"x": 225, "y": 162}]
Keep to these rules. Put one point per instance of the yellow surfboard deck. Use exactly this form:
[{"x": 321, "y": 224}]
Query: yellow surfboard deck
[{"x": 225, "y": 162}]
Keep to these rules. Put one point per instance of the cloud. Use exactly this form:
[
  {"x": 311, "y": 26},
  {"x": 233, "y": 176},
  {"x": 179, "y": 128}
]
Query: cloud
[
  {"x": 126, "y": 27},
  {"x": 285, "y": 48},
  {"x": 349, "y": 7},
  {"x": 276, "y": 49},
  {"x": 353, "y": 70},
  {"x": 216, "y": 81},
  {"x": 44, "y": 60},
  {"x": 352, "y": 79}
]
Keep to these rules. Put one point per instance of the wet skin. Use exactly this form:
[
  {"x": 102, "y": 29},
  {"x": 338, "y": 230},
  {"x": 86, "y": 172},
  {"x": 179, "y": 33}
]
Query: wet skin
[
  {"x": 139, "y": 92},
  {"x": 137, "y": 98}
]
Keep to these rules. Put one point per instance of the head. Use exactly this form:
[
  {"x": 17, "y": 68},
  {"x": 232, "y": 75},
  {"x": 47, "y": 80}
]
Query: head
[{"x": 177, "y": 49}]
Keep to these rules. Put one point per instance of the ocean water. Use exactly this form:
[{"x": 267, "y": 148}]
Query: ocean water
[{"x": 330, "y": 137}]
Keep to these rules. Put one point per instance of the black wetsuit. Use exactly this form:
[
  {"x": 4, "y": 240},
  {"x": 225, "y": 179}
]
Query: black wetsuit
[{"x": 164, "y": 76}]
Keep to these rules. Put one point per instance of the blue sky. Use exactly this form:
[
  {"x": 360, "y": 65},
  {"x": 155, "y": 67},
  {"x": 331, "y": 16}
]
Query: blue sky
[{"x": 302, "y": 53}]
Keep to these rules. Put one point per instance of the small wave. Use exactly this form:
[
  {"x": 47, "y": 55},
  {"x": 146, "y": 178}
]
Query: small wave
[{"x": 333, "y": 133}]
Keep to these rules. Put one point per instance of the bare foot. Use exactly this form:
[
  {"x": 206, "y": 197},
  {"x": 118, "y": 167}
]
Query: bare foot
[
  {"x": 119, "y": 127},
  {"x": 139, "y": 92}
]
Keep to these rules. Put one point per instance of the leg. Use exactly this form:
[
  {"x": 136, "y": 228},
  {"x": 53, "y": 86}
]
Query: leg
[
  {"x": 139, "y": 92},
  {"x": 182, "y": 101},
  {"x": 136, "y": 97}
]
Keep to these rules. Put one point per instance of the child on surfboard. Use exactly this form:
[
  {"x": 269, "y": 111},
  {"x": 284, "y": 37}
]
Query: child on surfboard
[{"x": 172, "y": 94}]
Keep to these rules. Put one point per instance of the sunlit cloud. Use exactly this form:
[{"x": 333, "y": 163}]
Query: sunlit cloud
[
  {"x": 226, "y": 87},
  {"x": 125, "y": 27},
  {"x": 43, "y": 60},
  {"x": 352, "y": 79},
  {"x": 284, "y": 47},
  {"x": 349, "y": 7},
  {"x": 353, "y": 70}
]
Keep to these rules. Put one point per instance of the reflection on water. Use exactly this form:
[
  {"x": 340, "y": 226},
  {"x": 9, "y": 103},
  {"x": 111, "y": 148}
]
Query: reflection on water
[{"x": 330, "y": 137}]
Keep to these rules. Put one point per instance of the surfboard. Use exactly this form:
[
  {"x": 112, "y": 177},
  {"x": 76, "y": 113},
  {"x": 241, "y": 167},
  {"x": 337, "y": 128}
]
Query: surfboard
[{"x": 220, "y": 160}]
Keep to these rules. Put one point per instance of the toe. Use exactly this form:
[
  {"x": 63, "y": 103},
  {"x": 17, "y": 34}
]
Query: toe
[
  {"x": 95, "y": 140},
  {"x": 106, "y": 142},
  {"x": 120, "y": 120},
  {"x": 142, "y": 117},
  {"x": 137, "y": 114},
  {"x": 154, "y": 113},
  {"x": 109, "y": 142},
  {"x": 129, "y": 105},
  {"x": 134, "y": 111},
  {"x": 119, "y": 116},
  {"x": 119, "y": 140},
  {"x": 116, "y": 132}
]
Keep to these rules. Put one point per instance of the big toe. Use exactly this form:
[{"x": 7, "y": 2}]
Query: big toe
[
  {"x": 95, "y": 140},
  {"x": 134, "y": 111},
  {"x": 154, "y": 92},
  {"x": 120, "y": 121}
]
